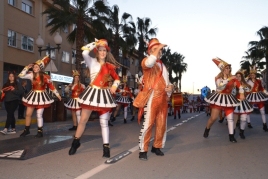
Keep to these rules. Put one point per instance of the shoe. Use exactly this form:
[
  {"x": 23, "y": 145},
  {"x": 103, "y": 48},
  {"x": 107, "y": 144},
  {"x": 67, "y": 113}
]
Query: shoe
[
  {"x": 206, "y": 133},
  {"x": 249, "y": 125},
  {"x": 241, "y": 134},
  {"x": 4, "y": 132},
  {"x": 125, "y": 121},
  {"x": 106, "y": 151},
  {"x": 112, "y": 118},
  {"x": 169, "y": 114},
  {"x": 39, "y": 133},
  {"x": 179, "y": 115},
  {"x": 75, "y": 145},
  {"x": 157, "y": 151},
  {"x": 231, "y": 138},
  {"x": 73, "y": 128},
  {"x": 221, "y": 120},
  {"x": 110, "y": 123},
  {"x": 143, "y": 156},
  {"x": 175, "y": 117},
  {"x": 132, "y": 119},
  {"x": 11, "y": 131},
  {"x": 265, "y": 127},
  {"x": 24, "y": 133}
]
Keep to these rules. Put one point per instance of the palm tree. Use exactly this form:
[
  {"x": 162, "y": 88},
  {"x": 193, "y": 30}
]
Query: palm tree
[
  {"x": 179, "y": 67},
  {"x": 167, "y": 60},
  {"x": 123, "y": 32},
  {"x": 88, "y": 21},
  {"x": 144, "y": 32},
  {"x": 259, "y": 50}
]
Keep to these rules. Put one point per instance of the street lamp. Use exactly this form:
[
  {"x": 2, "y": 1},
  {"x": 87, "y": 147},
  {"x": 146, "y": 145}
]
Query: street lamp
[{"x": 40, "y": 43}]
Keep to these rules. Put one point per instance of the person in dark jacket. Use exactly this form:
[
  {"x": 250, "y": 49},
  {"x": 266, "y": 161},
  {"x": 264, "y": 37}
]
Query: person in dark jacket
[{"x": 12, "y": 90}]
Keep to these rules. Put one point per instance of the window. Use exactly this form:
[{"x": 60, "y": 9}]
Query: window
[
  {"x": 11, "y": 2},
  {"x": 65, "y": 57},
  {"x": 52, "y": 54},
  {"x": 73, "y": 56},
  {"x": 27, "y": 6},
  {"x": 11, "y": 38},
  {"x": 27, "y": 43}
]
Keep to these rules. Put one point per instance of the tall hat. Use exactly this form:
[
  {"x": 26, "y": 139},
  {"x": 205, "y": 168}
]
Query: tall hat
[
  {"x": 75, "y": 73},
  {"x": 242, "y": 71},
  {"x": 220, "y": 63},
  {"x": 101, "y": 43},
  {"x": 252, "y": 69},
  {"x": 153, "y": 42},
  {"x": 43, "y": 63},
  {"x": 124, "y": 79}
]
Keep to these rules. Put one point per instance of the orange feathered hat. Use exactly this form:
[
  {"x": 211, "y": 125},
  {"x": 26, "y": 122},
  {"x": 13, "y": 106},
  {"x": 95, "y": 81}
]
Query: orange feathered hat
[
  {"x": 75, "y": 73},
  {"x": 102, "y": 43},
  {"x": 252, "y": 69},
  {"x": 153, "y": 42}
]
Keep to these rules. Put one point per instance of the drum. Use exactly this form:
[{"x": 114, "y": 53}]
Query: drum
[{"x": 177, "y": 99}]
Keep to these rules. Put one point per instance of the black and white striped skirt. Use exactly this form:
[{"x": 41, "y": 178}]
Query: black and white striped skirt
[
  {"x": 123, "y": 99},
  {"x": 257, "y": 97},
  {"x": 225, "y": 100},
  {"x": 97, "y": 97},
  {"x": 37, "y": 98},
  {"x": 244, "y": 107},
  {"x": 72, "y": 104}
]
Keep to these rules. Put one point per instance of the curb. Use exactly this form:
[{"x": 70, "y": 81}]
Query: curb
[{"x": 19, "y": 122}]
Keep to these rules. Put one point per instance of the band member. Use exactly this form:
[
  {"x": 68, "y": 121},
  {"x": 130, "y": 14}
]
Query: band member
[
  {"x": 223, "y": 99},
  {"x": 176, "y": 107},
  {"x": 123, "y": 100},
  {"x": 257, "y": 95},
  {"x": 244, "y": 108},
  {"x": 97, "y": 96},
  {"x": 136, "y": 92},
  {"x": 76, "y": 89},
  {"x": 38, "y": 98},
  {"x": 155, "y": 77}
]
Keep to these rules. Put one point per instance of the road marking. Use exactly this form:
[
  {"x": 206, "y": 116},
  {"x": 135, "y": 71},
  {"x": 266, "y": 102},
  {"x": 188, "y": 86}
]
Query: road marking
[{"x": 118, "y": 157}]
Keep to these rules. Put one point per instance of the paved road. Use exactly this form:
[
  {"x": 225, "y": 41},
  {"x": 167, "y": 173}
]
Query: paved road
[{"x": 187, "y": 154}]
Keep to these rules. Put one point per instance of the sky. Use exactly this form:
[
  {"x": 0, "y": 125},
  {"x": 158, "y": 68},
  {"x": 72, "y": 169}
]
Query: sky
[{"x": 201, "y": 30}]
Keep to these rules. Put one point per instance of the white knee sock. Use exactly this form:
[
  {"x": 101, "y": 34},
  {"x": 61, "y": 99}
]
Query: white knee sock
[
  {"x": 230, "y": 123},
  {"x": 243, "y": 121},
  {"x": 125, "y": 112},
  {"x": 248, "y": 118},
  {"x": 263, "y": 115},
  {"x": 104, "y": 118},
  {"x": 39, "y": 115}
]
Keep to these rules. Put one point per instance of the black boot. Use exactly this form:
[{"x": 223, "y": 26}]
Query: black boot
[
  {"x": 112, "y": 118},
  {"x": 110, "y": 123},
  {"x": 234, "y": 132},
  {"x": 175, "y": 117},
  {"x": 125, "y": 121},
  {"x": 143, "y": 156},
  {"x": 26, "y": 131},
  {"x": 179, "y": 115},
  {"x": 242, "y": 136},
  {"x": 39, "y": 133},
  {"x": 265, "y": 127},
  {"x": 132, "y": 119},
  {"x": 249, "y": 125},
  {"x": 75, "y": 146},
  {"x": 73, "y": 128},
  {"x": 231, "y": 138},
  {"x": 206, "y": 133},
  {"x": 169, "y": 114},
  {"x": 157, "y": 151},
  {"x": 106, "y": 151}
]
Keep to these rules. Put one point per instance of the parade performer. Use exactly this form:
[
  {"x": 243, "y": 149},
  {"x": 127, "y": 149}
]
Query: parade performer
[
  {"x": 136, "y": 92},
  {"x": 123, "y": 100},
  {"x": 257, "y": 95},
  {"x": 176, "y": 106},
  {"x": 223, "y": 99},
  {"x": 157, "y": 89},
  {"x": 38, "y": 98},
  {"x": 97, "y": 96},
  {"x": 76, "y": 89},
  {"x": 244, "y": 108}
]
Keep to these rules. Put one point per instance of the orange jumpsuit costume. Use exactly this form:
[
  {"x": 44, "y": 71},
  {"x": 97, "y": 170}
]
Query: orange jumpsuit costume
[{"x": 155, "y": 112}]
